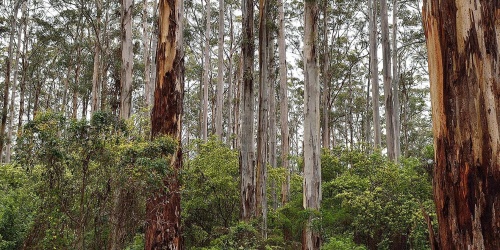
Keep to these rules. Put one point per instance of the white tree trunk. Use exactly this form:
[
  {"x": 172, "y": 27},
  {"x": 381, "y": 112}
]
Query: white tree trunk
[
  {"x": 395, "y": 81},
  {"x": 312, "y": 148},
  {"x": 220, "y": 74},
  {"x": 374, "y": 73},
  {"x": 206, "y": 72},
  {"x": 127, "y": 60},
  {"x": 389, "y": 102},
  {"x": 285, "y": 145}
]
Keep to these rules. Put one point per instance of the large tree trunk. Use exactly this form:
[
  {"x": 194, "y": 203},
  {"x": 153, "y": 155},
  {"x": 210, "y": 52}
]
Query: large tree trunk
[
  {"x": 127, "y": 60},
  {"x": 14, "y": 90},
  {"x": 8, "y": 68},
  {"x": 230, "y": 100},
  {"x": 262, "y": 139},
  {"x": 163, "y": 209},
  {"x": 272, "y": 108},
  {"x": 97, "y": 60},
  {"x": 389, "y": 105},
  {"x": 148, "y": 89},
  {"x": 325, "y": 135},
  {"x": 395, "y": 81},
  {"x": 312, "y": 148},
  {"x": 374, "y": 73},
  {"x": 285, "y": 145},
  {"x": 462, "y": 43},
  {"x": 246, "y": 158},
  {"x": 206, "y": 72},
  {"x": 220, "y": 74}
]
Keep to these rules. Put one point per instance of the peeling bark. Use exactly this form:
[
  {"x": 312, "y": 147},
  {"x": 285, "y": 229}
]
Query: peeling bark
[
  {"x": 163, "y": 210},
  {"x": 462, "y": 43}
]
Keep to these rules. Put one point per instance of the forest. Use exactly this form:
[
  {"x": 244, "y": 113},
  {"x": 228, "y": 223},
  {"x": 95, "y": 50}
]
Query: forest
[{"x": 270, "y": 124}]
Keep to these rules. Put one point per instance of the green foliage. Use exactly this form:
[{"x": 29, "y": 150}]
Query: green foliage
[
  {"x": 77, "y": 168},
  {"x": 376, "y": 201},
  {"x": 335, "y": 243},
  {"x": 17, "y": 204},
  {"x": 210, "y": 197}
]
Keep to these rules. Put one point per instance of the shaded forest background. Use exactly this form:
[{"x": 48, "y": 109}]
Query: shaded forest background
[{"x": 79, "y": 162}]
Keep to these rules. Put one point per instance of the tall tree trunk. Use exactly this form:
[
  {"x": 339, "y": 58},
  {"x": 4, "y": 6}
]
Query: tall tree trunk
[
  {"x": 8, "y": 68},
  {"x": 127, "y": 60},
  {"x": 220, "y": 74},
  {"x": 285, "y": 144},
  {"x": 206, "y": 72},
  {"x": 230, "y": 99},
  {"x": 377, "y": 142},
  {"x": 272, "y": 108},
  {"x": 262, "y": 139},
  {"x": 146, "y": 54},
  {"x": 96, "y": 77},
  {"x": 246, "y": 158},
  {"x": 312, "y": 148},
  {"x": 14, "y": 90},
  {"x": 462, "y": 43},
  {"x": 389, "y": 102},
  {"x": 395, "y": 82},
  {"x": 325, "y": 136},
  {"x": 163, "y": 230},
  {"x": 154, "y": 43},
  {"x": 24, "y": 63}
]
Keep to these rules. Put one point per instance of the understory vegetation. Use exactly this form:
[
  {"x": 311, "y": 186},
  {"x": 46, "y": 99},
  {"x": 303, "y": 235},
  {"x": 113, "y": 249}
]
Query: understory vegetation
[{"x": 72, "y": 180}]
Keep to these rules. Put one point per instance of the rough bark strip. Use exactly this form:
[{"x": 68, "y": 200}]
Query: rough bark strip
[
  {"x": 462, "y": 43},
  {"x": 246, "y": 158},
  {"x": 163, "y": 229}
]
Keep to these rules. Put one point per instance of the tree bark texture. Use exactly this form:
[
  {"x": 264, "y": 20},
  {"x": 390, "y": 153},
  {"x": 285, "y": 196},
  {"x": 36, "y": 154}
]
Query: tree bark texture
[
  {"x": 395, "y": 82},
  {"x": 312, "y": 148},
  {"x": 97, "y": 59},
  {"x": 163, "y": 229},
  {"x": 146, "y": 44},
  {"x": 246, "y": 158},
  {"x": 220, "y": 74},
  {"x": 389, "y": 103},
  {"x": 462, "y": 43},
  {"x": 285, "y": 144},
  {"x": 374, "y": 74},
  {"x": 262, "y": 139},
  {"x": 127, "y": 60},
  {"x": 325, "y": 136},
  {"x": 206, "y": 72}
]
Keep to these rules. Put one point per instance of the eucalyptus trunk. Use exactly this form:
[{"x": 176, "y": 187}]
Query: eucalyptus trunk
[
  {"x": 262, "y": 137},
  {"x": 206, "y": 72},
  {"x": 246, "y": 158},
  {"x": 463, "y": 56},
  {"x": 163, "y": 208},
  {"x": 220, "y": 74},
  {"x": 374, "y": 73},
  {"x": 389, "y": 102},
  {"x": 395, "y": 82},
  {"x": 285, "y": 144},
  {"x": 312, "y": 149},
  {"x": 127, "y": 60}
]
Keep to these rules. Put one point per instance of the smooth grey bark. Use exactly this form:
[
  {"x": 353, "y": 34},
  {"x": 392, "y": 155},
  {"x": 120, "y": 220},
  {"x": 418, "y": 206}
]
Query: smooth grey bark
[
  {"x": 146, "y": 44},
  {"x": 312, "y": 149},
  {"x": 220, "y": 74},
  {"x": 283, "y": 93},
  {"x": 389, "y": 102},
  {"x": 127, "y": 60},
  {"x": 395, "y": 82},
  {"x": 94, "y": 106},
  {"x": 377, "y": 142},
  {"x": 206, "y": 72}
]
